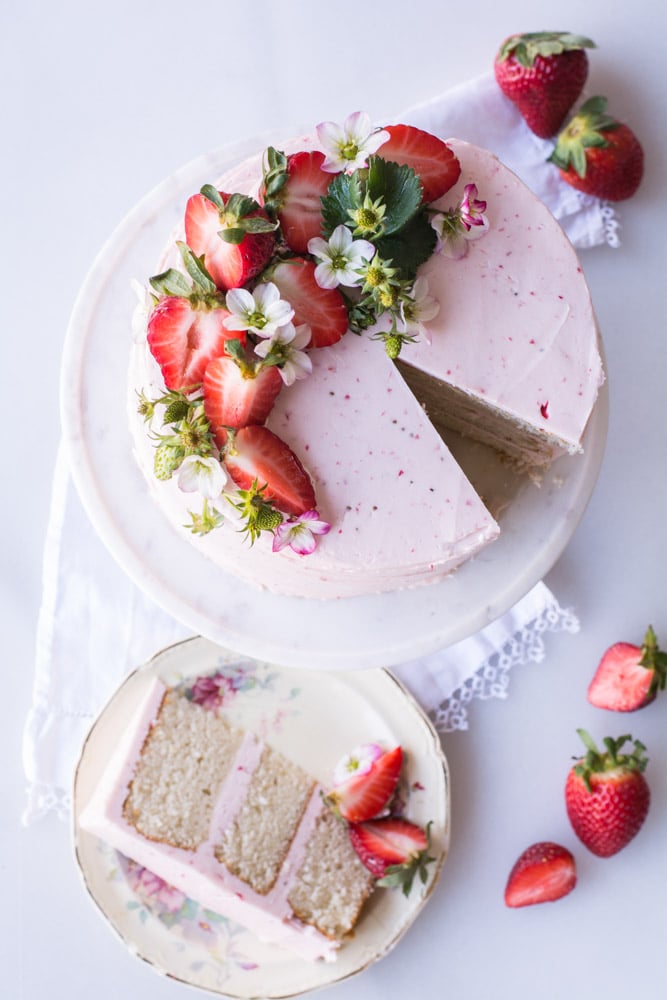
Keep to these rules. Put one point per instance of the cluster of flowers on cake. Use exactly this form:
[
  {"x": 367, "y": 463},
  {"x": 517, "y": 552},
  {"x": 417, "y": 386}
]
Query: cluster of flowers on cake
[{"x": 332, "y": 244}]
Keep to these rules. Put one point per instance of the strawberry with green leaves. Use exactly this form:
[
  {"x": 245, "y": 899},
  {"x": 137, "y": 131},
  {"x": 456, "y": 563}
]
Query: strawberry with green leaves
[
  {"x": 257, "y": 459},
  {"x": 292, "y": 190},
  {"x": 232, "y": 233},
  {"x": 628, "y": 676},
  {"x": 606, "y": 794},
  {"x": 393, "y": 849},
  {"x": 543, "y": 873},
  {"x": 186, "y": 328},
  {"x": 543, "y": 74},
  {"x": 599, "y": 155}
]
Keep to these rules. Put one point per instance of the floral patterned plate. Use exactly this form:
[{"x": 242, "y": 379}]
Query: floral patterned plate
[{"x": 310, "y": 716}]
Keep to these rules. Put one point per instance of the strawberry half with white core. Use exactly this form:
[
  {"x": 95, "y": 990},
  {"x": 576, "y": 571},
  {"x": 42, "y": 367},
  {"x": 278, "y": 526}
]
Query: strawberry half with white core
[
  {"x": 186, "y": 329},
  {"x": 436, "y": 166},
  {"x": 237, "y": 394},
  {"x": 628, "y": 676},
  {"x": 255, "y": 457},
  {"x": 370, "y": 788},
  {"x": 543, "y": 873},
  {"x": 543, "y": 74},
  {"x": 606, "y": 794},
  {"x": 232, "y": 233},
  {"x": 292, "y": 191},
  {"x": 393, "y": 849},
  {"x": 597, "y": 154},
  {"x": 322, "y": 309}
]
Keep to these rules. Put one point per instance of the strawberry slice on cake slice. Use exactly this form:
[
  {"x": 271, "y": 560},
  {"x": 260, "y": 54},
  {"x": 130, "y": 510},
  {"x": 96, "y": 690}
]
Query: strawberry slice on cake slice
[{"x": 232, "y": 233}]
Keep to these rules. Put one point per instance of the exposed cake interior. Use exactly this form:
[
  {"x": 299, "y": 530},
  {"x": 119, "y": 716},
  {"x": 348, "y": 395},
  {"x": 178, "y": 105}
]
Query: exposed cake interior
[{"x": 231, "y": 822}]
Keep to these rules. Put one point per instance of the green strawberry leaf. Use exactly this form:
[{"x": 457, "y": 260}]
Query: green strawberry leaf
[
  {"x": 400, "y": 189},
  {"x": 410, "y": 248}
]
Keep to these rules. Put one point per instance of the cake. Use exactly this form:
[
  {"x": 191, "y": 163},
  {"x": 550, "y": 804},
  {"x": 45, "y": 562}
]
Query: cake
[
  {"x": 507, "y": 353},
  {"x": 231, "y": 822}
]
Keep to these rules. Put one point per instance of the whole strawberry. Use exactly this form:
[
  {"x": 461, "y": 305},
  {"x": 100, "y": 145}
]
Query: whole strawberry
[
  {"x": 629, "y": 677},
  {"x": 543, "y": 74},
  {"x": 599, "y": 155},
  {"x": 606, "y": 795}
]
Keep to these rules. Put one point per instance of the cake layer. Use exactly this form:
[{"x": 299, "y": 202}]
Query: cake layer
[{"x": 164, "y": 749}]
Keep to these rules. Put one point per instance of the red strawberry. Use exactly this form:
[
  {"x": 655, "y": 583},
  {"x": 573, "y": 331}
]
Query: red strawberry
[
  {"x": 233, "y": 234},
  {"x": 392, "y": 849},
  {"x": 292, "y": 190},
  {"x": 431, "y": 159},
  {"x": 323, "y": 309},
  {"x": 183, "y": 338},
  {"x": 543, "y": 74},
  {"x": 237, "y": 395},
  {"x": 628, "y": 676},
  {"x": 598, "y": 155},
  {"x": 364, "y": 796},
  {"x": 257, "y": 455},
  {"x": 606, "y": 795},
  {"x": 543, "y": 873}
]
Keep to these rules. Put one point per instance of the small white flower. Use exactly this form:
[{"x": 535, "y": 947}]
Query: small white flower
[
  {"x": 289, "y": 342},
  {"x": 348, "y": 146},
  {"x": 340, "y": 258},
  {"x": 206, "y": 476},
  {"x": 300, "y": 532},
  {"x": 418, "y": 310},
  {"x": 360, "y": 761},
  {"x": 260, "y": 312}
]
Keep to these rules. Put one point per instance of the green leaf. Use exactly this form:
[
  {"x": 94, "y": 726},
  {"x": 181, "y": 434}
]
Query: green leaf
[
  {"x": 213, "y": 195},
  {"x": 400, "y": 189},
  {"x": 241, "y": 205},
  {"x": 410, "y": 248},
  {"x": 345, "y": 195},
  {"x": 234, "y": 236},
  {"x": 196, "y": 269},
  {"x": 171, "y": 282}
]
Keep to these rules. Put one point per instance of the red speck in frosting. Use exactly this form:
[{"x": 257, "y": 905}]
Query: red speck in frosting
[
  {"x": 544, "y": 409},
  {"x": 401, "y": 472}
]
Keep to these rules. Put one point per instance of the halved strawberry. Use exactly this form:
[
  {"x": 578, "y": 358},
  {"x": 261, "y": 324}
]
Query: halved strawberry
[
  {"x": 232, "y": 232},
  {"x": 392, "y": 849},
  {"x": 300, "y": 184},
  {"x": 364, "y": 796},
  {"x": 629, "y": 677},
  {"x": 183, "y": 338},
  {"x": 323, "y": 309},
  {"x": 257, "y": 455},
  {"x": 237, "y": 396},
  {"x": 543, "y": 873},
  {"x": 432, "y": 160}
]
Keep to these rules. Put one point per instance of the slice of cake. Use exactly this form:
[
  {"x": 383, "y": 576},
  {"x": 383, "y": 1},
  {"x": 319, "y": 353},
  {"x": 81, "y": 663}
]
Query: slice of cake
[
  {"x": 232, "y": 823},
  {"x": 506, "y": 353}
]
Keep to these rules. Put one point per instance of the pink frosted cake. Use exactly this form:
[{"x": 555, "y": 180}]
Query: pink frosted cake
[{"x": 313, "y": 436}]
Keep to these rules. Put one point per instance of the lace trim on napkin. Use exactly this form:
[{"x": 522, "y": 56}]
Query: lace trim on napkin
[
  {"x": 493, "y": 677},
  {"x": 44, "y": 799}
]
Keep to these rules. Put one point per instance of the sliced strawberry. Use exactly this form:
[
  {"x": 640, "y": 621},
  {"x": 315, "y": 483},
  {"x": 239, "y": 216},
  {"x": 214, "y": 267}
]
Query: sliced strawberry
[
  {"x": 183, "y": 339},
  {"x": 392, "y": 849},
  {"x": 298, "y": 203},
  {"x": 543, "y": 873},
  {"x": 258, "y": 455},
  {"x": 629, "y": 677},
  {"x": 323, "y": 309},
  {"x": 431, "y": 159},
  {"x": 364, "y": 796},
  {"x": 236, "y": 397},
  {"x": 241, "y": 253}
]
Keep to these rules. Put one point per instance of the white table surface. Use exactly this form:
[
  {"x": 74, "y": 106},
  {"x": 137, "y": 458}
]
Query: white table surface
[{"x": 100, "y": 102}]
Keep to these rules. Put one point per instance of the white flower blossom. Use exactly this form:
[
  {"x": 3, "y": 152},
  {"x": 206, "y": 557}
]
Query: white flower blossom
[
  {"x": 416, "y": 311},
  {"x": 348, "y": 146},
  {"x": 204, "y": 475},
  {"x": 340, "y": 258},
  {"x": 260, "y": 312},
  {"x": 289, "y": 343}
]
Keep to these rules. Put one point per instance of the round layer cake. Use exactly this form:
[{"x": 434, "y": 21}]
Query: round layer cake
[{"x": 510, "y": 358}]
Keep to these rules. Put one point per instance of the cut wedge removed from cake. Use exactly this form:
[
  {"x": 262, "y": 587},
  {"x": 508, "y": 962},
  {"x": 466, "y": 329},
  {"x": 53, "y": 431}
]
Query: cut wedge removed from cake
[
  {"x": 232, "y": 823},
  {"x": 511, "y": 360}
]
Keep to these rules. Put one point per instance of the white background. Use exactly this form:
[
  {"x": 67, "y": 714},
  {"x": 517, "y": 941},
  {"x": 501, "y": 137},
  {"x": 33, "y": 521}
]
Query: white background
[{"x": 99, "y": 103}]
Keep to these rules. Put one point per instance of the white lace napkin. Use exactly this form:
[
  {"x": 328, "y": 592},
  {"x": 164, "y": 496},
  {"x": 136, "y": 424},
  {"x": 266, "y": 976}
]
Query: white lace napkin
[{"x": 95, "y": 625}]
